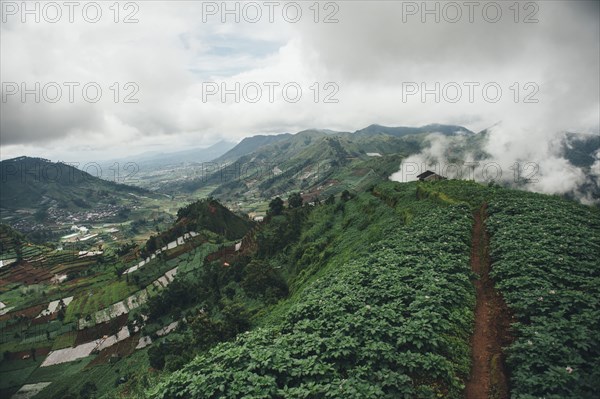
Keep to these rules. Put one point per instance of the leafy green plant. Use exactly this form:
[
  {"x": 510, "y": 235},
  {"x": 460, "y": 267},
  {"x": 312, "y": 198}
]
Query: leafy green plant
[{"x": 545, "y": 262}]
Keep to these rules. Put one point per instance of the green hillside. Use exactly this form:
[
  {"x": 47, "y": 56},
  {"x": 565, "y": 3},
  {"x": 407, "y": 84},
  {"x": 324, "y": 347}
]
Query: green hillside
[
  {"x": 206, "y": 215},
  {"x": 15, "y": 246},
  {"x": 406, "y": 131},
  {"x": 381, "y": 301},
  {"x": 11, "y": 242},
  {"x": 371, "y": 315},
  {"x": 35, "y": 182},
  {"x": 44, "y": 199},
  {"x": 212, "y": 216},
  {"x": 369, "y": 294}
]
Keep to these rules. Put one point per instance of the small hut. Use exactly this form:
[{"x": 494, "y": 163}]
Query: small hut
[{"x": 430, "y": 176}]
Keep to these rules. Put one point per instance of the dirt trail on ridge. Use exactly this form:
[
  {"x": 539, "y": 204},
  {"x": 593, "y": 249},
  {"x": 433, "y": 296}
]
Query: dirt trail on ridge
[{"x": 492, "y": 321}]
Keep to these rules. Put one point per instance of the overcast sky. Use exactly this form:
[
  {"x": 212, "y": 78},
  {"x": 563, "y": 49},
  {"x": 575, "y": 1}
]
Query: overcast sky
[{"x": 376, "y": 57}]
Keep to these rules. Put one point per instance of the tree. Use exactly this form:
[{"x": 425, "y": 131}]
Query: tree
[
  {"x": 236, "y": 318},
  {"x": 260, "y": 278},
  {"x": 330, "y": 200},
  {"x": 61, "y": 313},
  {"x": 346, "y": 196},
  {"x": 88, "y": 390},
  {"x": 276, "y": 206},
  {"x": 136, "y": 280},
  {"x": 156, "y": 357},
  {"x": 295, "y": 200},
  {"x": 118, "y": 270},
  {"x": 206, "y": 331}
]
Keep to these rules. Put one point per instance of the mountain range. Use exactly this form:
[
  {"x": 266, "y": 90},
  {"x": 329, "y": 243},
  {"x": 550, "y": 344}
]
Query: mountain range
[{"x": 316, "y": 162}]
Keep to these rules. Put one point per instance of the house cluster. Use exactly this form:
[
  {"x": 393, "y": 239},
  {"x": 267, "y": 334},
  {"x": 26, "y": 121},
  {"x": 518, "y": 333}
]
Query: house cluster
[{"x": 100, "y": 212}]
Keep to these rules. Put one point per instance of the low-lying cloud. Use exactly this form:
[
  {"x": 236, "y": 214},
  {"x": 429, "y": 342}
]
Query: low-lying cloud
[{"x": 528, "y": 159}]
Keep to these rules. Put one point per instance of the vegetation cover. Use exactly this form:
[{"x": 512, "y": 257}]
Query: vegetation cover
[
  {"x": 368, "y": 294},
  {"x": 544, "y": 252},
  {"x": 393, "y": 322},
  {"x": 38, "y": 183}
]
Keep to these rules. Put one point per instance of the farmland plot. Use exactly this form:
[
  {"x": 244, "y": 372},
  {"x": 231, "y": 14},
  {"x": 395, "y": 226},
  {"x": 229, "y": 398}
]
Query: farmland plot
[
  {"x": 167, "y": 329},
  {"x": 171, "y": 245},
  {"x": 545, "y": 262},
  {"x": 84, "y": 350},
  {"x": 109, "y": 313},
  {"x": 53, "y": 306},
  {"x": 125, "y": 306},
  {"x": 69, "y": 354},
  {"x": 30, "y": 390},
  {"x": 113, "y": 339},
  {"x": 143, "y": 342}
]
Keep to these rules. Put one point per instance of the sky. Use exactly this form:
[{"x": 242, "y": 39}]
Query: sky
[{"x": 163, "y": 76}]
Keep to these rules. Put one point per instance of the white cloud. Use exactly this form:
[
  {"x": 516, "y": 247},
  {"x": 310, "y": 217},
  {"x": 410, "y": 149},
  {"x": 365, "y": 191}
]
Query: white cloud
[{"x": 369, "y": 54}]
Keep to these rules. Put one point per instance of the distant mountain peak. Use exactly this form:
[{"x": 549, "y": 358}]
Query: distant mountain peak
[{"x": 399, "y": 131}]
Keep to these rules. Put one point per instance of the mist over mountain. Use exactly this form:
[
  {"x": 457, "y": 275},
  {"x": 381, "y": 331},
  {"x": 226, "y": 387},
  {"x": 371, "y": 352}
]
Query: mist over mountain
[
  {"x": 262, "y": 166},
  {"x": 568, "y": 164},
  {"x": 266, "y": 165}
]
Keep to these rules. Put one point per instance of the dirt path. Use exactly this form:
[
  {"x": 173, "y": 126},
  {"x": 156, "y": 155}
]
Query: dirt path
[{"x": 488, "y": 375}]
